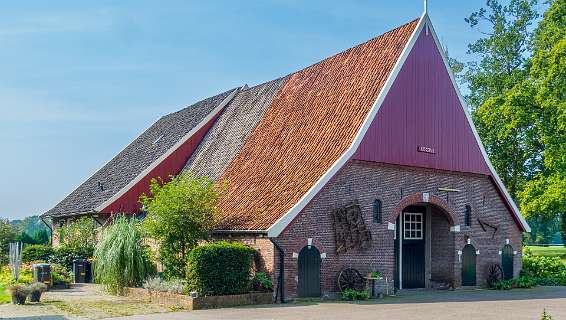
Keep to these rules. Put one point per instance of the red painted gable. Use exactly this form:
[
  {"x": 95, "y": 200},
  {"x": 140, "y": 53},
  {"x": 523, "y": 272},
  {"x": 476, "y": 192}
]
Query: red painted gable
[
  {"x": 421, "y": 122},
  {"x": 172, "y": 165}
]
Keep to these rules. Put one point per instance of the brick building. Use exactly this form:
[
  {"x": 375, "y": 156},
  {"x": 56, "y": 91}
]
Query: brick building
[{"x": 366, "y": 160}]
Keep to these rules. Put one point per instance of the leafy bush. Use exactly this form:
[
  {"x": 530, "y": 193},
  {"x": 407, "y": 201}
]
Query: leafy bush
[
  {"x": 352, "y": 294},
  {"x": 525, "y": 282},
  {"x": 6, "y": 277},
  {"x": 547, "y": 271},
  {"x": 261, "y": 282},
  {"x": 503, "y": 284},
  {"x": 65, "y": 255},
  {"x": 543, "y": 267},
  {"x": 220, "y": 268},
  {"x": 179, "y": 215},
  {"x": 121, "y": 260},
  {"x": 60, "y": 275},
  {"x": 37, "y": 252},
  {"x": 158, "y": 284}
]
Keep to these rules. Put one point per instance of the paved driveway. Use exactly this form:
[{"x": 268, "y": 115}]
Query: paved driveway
[{"x": 465, "y": 304}]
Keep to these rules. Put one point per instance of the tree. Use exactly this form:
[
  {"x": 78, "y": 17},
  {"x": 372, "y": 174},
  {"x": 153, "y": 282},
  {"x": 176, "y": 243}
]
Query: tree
[
  {"x": 545, "y": 194},
  {"x": 179, "y": 215},
  {"x": 79, "y": 234},
  {"x": 500, "y": 99},
  {"x": 8, "y": 233},
  {"x": 503, "y": 52}
]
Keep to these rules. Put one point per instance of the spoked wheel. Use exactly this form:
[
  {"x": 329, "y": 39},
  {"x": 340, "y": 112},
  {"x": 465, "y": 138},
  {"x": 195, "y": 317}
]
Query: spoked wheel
[
  {"x": 494, "y": 275},
  {"x": 350, "y": 278}
]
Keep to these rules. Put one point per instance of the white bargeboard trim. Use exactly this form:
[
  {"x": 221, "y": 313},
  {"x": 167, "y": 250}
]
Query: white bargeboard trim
[
  {"x": 164, "y": 156},
  {"x": 281, "y": 223}
]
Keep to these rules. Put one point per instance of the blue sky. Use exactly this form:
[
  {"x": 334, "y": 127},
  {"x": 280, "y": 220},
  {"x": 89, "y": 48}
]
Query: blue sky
[{"x": 79, "y": 80}]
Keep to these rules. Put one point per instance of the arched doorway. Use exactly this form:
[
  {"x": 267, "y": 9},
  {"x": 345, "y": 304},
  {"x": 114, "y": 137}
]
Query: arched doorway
[
  {"x": 469, "y": 265},
  {"x": 507, "y": 262},
  {"x": 424, "y": 243},
  {"x": 309, "y": 272}
]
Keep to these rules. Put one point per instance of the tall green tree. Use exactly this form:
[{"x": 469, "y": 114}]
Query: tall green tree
[
  {"x": 500, "y": 99},
  {"x": 179, "y": 215},
  {"x": 545, "y": 194}
]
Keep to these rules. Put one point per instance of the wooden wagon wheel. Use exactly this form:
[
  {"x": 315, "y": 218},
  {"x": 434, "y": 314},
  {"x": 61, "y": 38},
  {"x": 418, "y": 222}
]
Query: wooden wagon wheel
[
  {"x": 350, "y": 278},
  {"x": 494, "y": 275}
]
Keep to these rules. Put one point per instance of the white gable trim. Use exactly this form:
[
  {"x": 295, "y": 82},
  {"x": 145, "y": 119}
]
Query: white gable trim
[
  {"x": 281, "y": 223},
  {"x": 500, "y": 185},
  {"x": 164, "y": 156}
]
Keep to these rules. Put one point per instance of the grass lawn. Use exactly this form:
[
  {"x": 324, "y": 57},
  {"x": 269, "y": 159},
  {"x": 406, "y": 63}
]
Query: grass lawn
[{"x": 555, "y": 251}]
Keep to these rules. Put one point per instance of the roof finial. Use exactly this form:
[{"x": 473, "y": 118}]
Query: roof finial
[{"x": 425, "y": 6}]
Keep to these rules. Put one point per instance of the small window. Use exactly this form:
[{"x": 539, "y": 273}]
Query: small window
[
  {"x": 377, "y": 216},
  {"x": 468, "y": 216},
  {"x": 413, "y": 226}
]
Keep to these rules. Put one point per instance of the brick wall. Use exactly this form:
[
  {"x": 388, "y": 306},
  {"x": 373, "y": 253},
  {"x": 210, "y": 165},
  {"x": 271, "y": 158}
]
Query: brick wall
[{"x": 364, "y": 182}]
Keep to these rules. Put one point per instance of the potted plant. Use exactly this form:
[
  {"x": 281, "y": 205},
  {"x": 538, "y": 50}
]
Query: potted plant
[
  {"x": 36, "y": 289},
  {"x": 19, "y": 293}
]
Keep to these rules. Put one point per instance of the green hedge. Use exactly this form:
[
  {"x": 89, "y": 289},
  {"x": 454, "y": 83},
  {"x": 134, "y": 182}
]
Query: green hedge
[
  {"x": 220, "y": 268},
  {"x": 37, "y": 252}
]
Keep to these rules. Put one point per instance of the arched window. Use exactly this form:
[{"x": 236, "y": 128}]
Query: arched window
[
  {"x": 468, "y": 216},
  {"x": 377, "y": 216}
]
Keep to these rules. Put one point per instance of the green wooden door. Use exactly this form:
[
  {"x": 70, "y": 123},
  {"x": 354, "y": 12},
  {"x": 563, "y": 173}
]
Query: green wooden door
[
  {"x": 507, "y": 262},
  {"x": 469, "y": 265},
  {"x": 309, "y": 272}
]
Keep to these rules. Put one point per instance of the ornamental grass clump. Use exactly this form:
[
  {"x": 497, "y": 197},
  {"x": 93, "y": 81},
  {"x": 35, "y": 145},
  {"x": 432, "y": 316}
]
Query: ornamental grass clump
[
  {"x": 36, "y": 289},
  {"x": 19, "y": 293},
  {"x": 121, "y": 258}
]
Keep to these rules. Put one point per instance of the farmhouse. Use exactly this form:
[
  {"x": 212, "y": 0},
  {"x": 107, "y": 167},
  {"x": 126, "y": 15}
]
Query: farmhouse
[{"x": 366, "y": 160}]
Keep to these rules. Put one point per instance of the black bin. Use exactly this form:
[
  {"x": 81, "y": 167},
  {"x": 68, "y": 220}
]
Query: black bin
[
  {"x": 82, "y": 271},
  {"x": 42, "y": 273}
]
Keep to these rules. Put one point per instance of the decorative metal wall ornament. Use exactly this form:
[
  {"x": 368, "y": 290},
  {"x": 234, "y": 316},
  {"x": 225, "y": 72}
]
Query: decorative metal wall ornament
[
  {"x": 350, "y": 229},
  {"x": 484, "y": 224}
]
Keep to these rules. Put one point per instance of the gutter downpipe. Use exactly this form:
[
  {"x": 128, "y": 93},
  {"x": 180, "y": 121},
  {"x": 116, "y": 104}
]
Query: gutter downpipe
[
  {"x": 280, "y": 282},
  {"x": 50, "y": 230}
]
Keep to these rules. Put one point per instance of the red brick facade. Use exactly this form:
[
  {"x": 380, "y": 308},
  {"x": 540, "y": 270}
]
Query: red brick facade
[{"x": 398, "y": 187}]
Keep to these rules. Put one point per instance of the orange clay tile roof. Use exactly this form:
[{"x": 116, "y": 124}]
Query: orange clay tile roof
[{"x": 311, "y": 122}]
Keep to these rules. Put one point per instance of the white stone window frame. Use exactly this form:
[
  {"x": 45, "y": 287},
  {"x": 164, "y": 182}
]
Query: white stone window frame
[{"x": 413, "y": 225}]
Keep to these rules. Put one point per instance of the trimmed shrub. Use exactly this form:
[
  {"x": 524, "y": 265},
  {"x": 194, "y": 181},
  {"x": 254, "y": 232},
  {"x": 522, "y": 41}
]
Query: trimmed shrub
[
  {"x": 220, "y": 268},
  {"x": 37, "y": 252},
  {"x": 353, "y": 294}
]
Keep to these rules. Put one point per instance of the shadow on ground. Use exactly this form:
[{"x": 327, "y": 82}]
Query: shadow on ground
[{"x": 425, "y": 296}]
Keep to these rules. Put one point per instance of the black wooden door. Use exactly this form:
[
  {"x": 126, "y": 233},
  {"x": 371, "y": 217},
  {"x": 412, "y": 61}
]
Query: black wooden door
[
  {"x": 413, "y": 265},
  {"x": 309, "y": 272},
  {"x": 469, "y": 265},
  {"x": 414, "y": 247},
  {"x": 507, "y": 262}
]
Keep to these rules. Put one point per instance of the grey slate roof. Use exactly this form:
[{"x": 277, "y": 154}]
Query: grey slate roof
[
  {"x": 136, "y": 157},
  {"x": 224, "y": 140}
]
